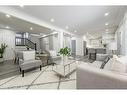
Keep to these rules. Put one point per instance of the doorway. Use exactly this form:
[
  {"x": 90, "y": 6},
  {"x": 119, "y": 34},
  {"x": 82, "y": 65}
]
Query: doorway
[
  {"x": 73, "y": 48},
  {"x": 84, "y": 48}
]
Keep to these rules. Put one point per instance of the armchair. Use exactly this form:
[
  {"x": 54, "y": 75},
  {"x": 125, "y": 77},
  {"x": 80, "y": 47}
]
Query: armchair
[{"x": 28, "y": 61}]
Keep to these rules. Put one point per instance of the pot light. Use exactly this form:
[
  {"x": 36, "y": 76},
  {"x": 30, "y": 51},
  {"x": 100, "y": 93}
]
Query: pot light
[
  {"x": 7, "y": 27},
  {"x": 75, "y": 31},
  {"x": 106, "y": 14},
  {"x": 31, "y": 28},
  {"x": 8, "y": 16},
  {"x": 67, "y": 27},
  {"x": 21, "y": 6},
  {"x": 106, "y": 23},
  {"x": 106, "y": 30},
  {"x": 52, "y": 20}
]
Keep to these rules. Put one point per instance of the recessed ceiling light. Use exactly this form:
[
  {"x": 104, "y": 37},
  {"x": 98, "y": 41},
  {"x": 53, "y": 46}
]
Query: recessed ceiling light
[
  {"x": 75, "y": 31},
  {"x": 106, "y": 23},
  {"x": 21, "y": 6},
  {"x": 106, "y": 30},
  {"x": 106, "y": 14},
  {"x": 31, "y": 28},
  {"x": 7, "y": 27},
  {"x": 52, "y": 20},
  {"x": 67, "y": 27},
  {"x": 8, "y": 16}
]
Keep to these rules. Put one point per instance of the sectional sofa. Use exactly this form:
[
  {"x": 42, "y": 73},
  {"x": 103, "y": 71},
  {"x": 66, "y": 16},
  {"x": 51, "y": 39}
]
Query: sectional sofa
[{"x": 112, "y": 76}]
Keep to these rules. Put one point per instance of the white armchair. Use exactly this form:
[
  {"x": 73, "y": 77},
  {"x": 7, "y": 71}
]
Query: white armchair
[
  {"x": 28, "y": 61},
  {"x": 53, "y": 56}
]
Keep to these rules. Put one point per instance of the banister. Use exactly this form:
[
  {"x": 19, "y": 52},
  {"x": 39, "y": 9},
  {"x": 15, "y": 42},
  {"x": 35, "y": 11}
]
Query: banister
[{"x": 25, "y": 42}]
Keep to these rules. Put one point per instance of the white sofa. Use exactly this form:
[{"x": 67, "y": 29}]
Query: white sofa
[{"x": 90, "y": 76}]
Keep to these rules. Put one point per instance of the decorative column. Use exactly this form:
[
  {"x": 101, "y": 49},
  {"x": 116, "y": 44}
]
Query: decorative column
[{"x": 60, "y": 38}]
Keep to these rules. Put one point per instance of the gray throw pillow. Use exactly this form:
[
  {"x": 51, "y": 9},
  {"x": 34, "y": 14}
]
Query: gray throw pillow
[{"x": 105, "y": 61}]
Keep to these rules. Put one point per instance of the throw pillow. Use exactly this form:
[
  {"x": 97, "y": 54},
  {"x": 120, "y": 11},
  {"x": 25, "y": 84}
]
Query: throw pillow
[
  {"x": 104, "y": 63},
  {"x": 108, "y": 64},
  {"x": 119, "y": 65}
]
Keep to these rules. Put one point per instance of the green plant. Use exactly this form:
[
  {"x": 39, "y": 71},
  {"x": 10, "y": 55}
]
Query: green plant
[
  {"x": 2, "y": 49},
  {"x": 104, "y": 45},
  {"x": 65, "y": 51}
]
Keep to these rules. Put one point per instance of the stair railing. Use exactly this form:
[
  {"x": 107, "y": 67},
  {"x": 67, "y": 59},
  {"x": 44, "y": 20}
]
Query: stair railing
[{"x": 25, "y": 42}]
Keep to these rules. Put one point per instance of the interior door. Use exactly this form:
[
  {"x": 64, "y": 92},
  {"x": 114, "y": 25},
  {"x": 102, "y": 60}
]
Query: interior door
[
  {"x": 73, "y": 48},
  {"x": 84, "y": 47},
  {"x": 119, "y": 42}
]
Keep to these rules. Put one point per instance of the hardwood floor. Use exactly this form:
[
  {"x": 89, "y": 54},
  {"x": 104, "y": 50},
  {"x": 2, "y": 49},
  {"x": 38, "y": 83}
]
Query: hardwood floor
[{"x": 8, "y": 69}]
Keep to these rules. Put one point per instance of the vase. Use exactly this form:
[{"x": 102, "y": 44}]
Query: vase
[{"x": 64, "y": 58}]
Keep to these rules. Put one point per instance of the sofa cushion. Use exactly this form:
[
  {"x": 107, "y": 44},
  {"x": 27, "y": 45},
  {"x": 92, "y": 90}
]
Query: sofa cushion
[
  {"x": 108, "y": 64},
  {"x": 30, "y": 64},
  {"x": 93, "y": 78},
  {"x": 123, "y": 59},
  {"x": 28, "y": 55},
  {"x": 101, "y": 57},
  {"x": 96, "y": 64},
  {"x": 119, "y": 65},
  {"x": 104, "y": 62}
]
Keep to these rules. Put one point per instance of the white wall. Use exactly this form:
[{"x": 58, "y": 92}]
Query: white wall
[
  {"x": 56, "y": 43},
  {"x": 96, "y": 43},
  {"x": 79, "y": 45},
  {"x": 35, "y": 39},
  {"x": 8, "y": 37},
  {"x": 50, "y": 43},
  {"x": 122, "y": 31},
  {"x": 67, "y": 41},
  {"x": 87, "y": 41},
  {"x": 107, "y": 38}
]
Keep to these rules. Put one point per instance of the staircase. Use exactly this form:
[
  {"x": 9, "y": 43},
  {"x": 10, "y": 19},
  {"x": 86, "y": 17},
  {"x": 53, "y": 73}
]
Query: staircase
[{"x": 25, "y": 43}]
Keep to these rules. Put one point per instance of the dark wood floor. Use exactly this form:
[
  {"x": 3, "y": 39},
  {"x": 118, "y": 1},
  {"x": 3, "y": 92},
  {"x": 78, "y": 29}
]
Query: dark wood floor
[{"x": 8, "y": 69}]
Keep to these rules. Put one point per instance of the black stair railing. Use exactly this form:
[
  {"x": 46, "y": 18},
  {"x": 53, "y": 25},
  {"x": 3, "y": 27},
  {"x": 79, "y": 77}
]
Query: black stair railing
[{"x": 25, "y": 42}]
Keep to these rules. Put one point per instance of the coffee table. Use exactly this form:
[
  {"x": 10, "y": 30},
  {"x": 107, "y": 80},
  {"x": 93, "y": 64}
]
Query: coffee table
[{"x": 64, "y": 68}]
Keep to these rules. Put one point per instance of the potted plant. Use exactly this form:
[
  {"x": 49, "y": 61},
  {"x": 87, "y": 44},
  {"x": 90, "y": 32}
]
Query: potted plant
[
  {"x": 2, "y": 49},
  {"x": 104, "y": 45},
  {"x": 65, "y": 52}
]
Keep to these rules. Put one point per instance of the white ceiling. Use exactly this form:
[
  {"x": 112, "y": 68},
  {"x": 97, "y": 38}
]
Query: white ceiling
[
  {"x": 84, "y": 19},
  {"x": 20, "y": 25}
]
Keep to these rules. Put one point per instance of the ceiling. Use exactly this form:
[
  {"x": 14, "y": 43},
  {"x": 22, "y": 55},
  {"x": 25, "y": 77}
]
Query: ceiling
[
  {"x": 83, "y": 19},
  {"x": 19, "y": 25}
]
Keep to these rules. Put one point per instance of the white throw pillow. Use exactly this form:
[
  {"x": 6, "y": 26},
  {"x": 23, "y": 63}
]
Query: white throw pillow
[
  {"x": 123, "y": 59},
  {"x": 118, "y": 65},
  {"x": 28, "y": 55},
  {"x": 115, "y": 57},
  {"x": 108, "y": 64},
  {"x": 96, "y": 64}
]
